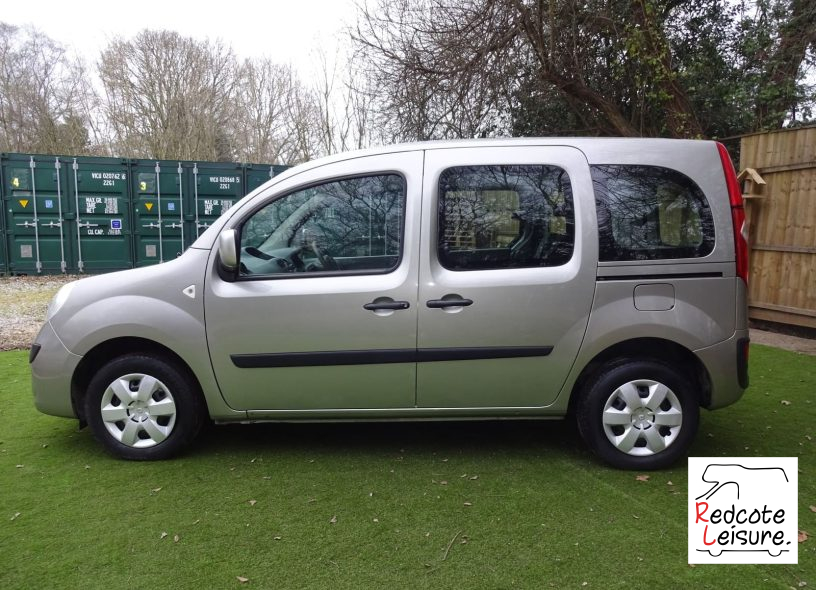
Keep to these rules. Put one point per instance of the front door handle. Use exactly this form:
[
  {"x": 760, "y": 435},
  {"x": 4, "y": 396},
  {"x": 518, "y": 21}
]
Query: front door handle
[
  {"x": 390, "y": 305},
  {"x": 443, "y": 303}
]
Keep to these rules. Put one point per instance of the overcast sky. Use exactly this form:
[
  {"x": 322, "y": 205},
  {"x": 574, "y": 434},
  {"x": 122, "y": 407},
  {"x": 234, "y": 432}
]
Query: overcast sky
[{"x": 288, "y": 31}]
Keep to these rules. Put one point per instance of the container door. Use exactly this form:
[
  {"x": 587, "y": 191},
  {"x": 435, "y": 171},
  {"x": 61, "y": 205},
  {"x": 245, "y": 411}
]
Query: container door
[
  {"x": 102, "y": 221},
  {"x": 214, "y": 191},
  {"x": 507, "y": 275},
  {"x": 158, "y": 211},
  {"x": 3, "y": 235},
  {"x": 36, "y": 205}
]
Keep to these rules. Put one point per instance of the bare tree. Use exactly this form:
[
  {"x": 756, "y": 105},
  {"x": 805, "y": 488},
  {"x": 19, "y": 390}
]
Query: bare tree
[
  {"x": 332, "y": 132},
  {"x": 439, "y": 68},
  {"x": 172, "y": 97},
  {"x": 261, "y": 111},
  {"x": 343, "y": 101},
  {"x": 303, "y": 117},
  {"x": 43, "y": 95},
  {"x": 168, "y": 96},
  {"x": 276, "y": 117}
]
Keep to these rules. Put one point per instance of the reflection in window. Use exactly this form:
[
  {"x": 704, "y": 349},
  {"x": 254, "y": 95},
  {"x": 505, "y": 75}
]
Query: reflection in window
[
  {"x": 493, "y": 217},
  {"x": 649, "y": 212},
  {"x": 347, "y": 225}
]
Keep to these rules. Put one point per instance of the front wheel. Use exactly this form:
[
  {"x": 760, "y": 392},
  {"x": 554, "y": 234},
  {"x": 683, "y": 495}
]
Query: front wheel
[
  {"x": 638, "y": 414},
  {"x": 141, "y": 407}
]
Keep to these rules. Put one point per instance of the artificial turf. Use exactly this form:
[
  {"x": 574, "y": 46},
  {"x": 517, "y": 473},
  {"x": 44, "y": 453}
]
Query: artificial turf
[{"x": 408, "y": 505}]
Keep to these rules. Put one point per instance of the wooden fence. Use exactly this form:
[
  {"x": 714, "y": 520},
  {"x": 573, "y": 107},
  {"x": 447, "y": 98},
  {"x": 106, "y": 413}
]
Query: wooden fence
[{"x": 782, "y": 224}]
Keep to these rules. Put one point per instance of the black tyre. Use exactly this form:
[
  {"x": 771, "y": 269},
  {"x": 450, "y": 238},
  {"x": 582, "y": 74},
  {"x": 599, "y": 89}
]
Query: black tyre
[
  {"x": 141, "y": 407},
  {"x": 638, "y": 414}
]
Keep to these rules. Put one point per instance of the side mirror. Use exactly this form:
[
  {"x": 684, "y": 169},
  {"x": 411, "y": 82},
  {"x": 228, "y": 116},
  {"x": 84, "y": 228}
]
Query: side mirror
[{"x": 228, "y": 251}]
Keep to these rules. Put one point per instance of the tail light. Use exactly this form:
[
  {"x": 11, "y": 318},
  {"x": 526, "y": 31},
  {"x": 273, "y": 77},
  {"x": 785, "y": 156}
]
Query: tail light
[{"x": 737, "y": 214}]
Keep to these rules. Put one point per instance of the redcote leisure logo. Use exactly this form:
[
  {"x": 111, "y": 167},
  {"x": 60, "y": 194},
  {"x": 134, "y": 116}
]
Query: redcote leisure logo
[{"x": 742, "y": 509}]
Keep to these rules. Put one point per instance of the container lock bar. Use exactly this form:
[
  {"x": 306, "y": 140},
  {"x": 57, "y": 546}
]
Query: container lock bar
[
  {"x": 195, "y": 199},
  {"x": 33, "y": 165},
  {"x": 63, "y": 265},
  {"x": 158, "y": 199},
  {"x": 80, "y": 225},
  {"x": 181, "y": 206}
]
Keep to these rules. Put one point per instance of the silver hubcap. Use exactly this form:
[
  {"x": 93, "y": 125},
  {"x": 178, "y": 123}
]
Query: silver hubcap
[
  {"x": 138, "y": 410},
  {"x": 642, "y": 417}
]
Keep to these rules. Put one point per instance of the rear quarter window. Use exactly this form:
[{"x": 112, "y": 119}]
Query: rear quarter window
[{"x": 650, "y": 213}]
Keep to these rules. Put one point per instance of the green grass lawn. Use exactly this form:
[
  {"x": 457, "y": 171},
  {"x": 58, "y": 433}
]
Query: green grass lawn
[{"x": 423, "y": 505}]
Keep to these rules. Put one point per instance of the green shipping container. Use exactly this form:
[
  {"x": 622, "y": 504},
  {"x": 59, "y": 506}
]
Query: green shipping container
[
  {"x": 3, "y": 238},
  {"x": 158, "y": 211},
  {"x": 37, "y": 211},
  {"x": 100, "y": 194},
  {"x": 3, "y": 254},
  {"x": 88, "y": 214},
  {"x": 216, "y": 188}
]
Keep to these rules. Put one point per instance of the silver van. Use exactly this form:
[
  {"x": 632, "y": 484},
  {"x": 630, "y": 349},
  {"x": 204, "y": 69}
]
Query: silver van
[{"x": 523, "y": 278}]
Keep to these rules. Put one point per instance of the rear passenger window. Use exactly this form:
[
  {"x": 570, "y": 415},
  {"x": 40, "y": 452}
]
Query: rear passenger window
[
  {"x": 650, "y": 213},
  {"x": 493, "y": 217}
]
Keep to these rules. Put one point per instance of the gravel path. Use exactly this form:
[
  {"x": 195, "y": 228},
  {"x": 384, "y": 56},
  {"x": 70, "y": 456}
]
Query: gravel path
[
  {"x": 23, "y": 303},
  {"x": 792, "y": 343}
]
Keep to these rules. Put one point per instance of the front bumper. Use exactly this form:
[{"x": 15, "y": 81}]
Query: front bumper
[{"x": 51, "y": 371}]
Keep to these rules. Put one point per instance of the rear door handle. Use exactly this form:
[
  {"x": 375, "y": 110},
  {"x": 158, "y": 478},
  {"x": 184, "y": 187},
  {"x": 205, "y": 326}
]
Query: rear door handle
[
  {"x": 443, "y": 303},
  {"x": 392, "y": 305}
]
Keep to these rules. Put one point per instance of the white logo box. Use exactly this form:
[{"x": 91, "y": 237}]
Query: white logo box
[{"x": 743, "y": 509}]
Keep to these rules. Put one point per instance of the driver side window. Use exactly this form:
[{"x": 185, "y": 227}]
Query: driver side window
[{"x": 353, "y": 225}]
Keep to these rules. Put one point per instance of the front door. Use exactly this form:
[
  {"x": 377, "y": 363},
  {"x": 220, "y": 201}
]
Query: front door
[
  {"x": 323, "y": 315},
  {"x": 507, "y": 275}
]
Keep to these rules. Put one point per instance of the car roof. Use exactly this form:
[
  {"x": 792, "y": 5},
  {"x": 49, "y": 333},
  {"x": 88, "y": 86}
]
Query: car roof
[{"x": 597, "y": 150}]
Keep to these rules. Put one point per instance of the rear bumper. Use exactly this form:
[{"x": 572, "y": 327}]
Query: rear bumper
[
  {"x": 727, "y": 366},
  {"x": 51, "y": 371}
]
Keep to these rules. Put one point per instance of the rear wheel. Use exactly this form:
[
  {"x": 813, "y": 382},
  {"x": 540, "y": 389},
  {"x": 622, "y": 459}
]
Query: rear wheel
[
  {"x": 638, "y": 414},
  {"x": 141, "y": 407}
]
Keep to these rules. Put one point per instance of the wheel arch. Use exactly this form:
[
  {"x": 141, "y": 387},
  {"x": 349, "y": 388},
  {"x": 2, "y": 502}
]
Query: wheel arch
[
  {"x": 657, "y": 349},
  {"x": 105, "y": 352}
]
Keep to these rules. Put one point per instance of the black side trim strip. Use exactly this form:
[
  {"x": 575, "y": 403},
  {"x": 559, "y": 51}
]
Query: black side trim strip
[
  {"x": 425, "y": 355},
  {"x": 380, "y": 357},
  {"x": 323, "y": 359},
  {"x": 677, "y": 275}
]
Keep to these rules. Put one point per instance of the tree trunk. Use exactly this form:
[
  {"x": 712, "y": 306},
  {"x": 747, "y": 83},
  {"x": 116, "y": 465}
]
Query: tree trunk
[{"x": 777, "y": 92}]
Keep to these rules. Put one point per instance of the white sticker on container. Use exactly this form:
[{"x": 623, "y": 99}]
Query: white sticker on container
[{"x": 91, "y": 203}]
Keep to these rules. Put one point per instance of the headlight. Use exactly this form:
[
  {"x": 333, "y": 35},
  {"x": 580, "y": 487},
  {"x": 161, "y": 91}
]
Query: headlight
[{"x": 59, "y": 300}]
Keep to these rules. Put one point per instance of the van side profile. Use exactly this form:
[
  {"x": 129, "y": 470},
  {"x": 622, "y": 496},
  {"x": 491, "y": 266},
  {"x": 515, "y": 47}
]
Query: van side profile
[{"x": 477, "y": 279}]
